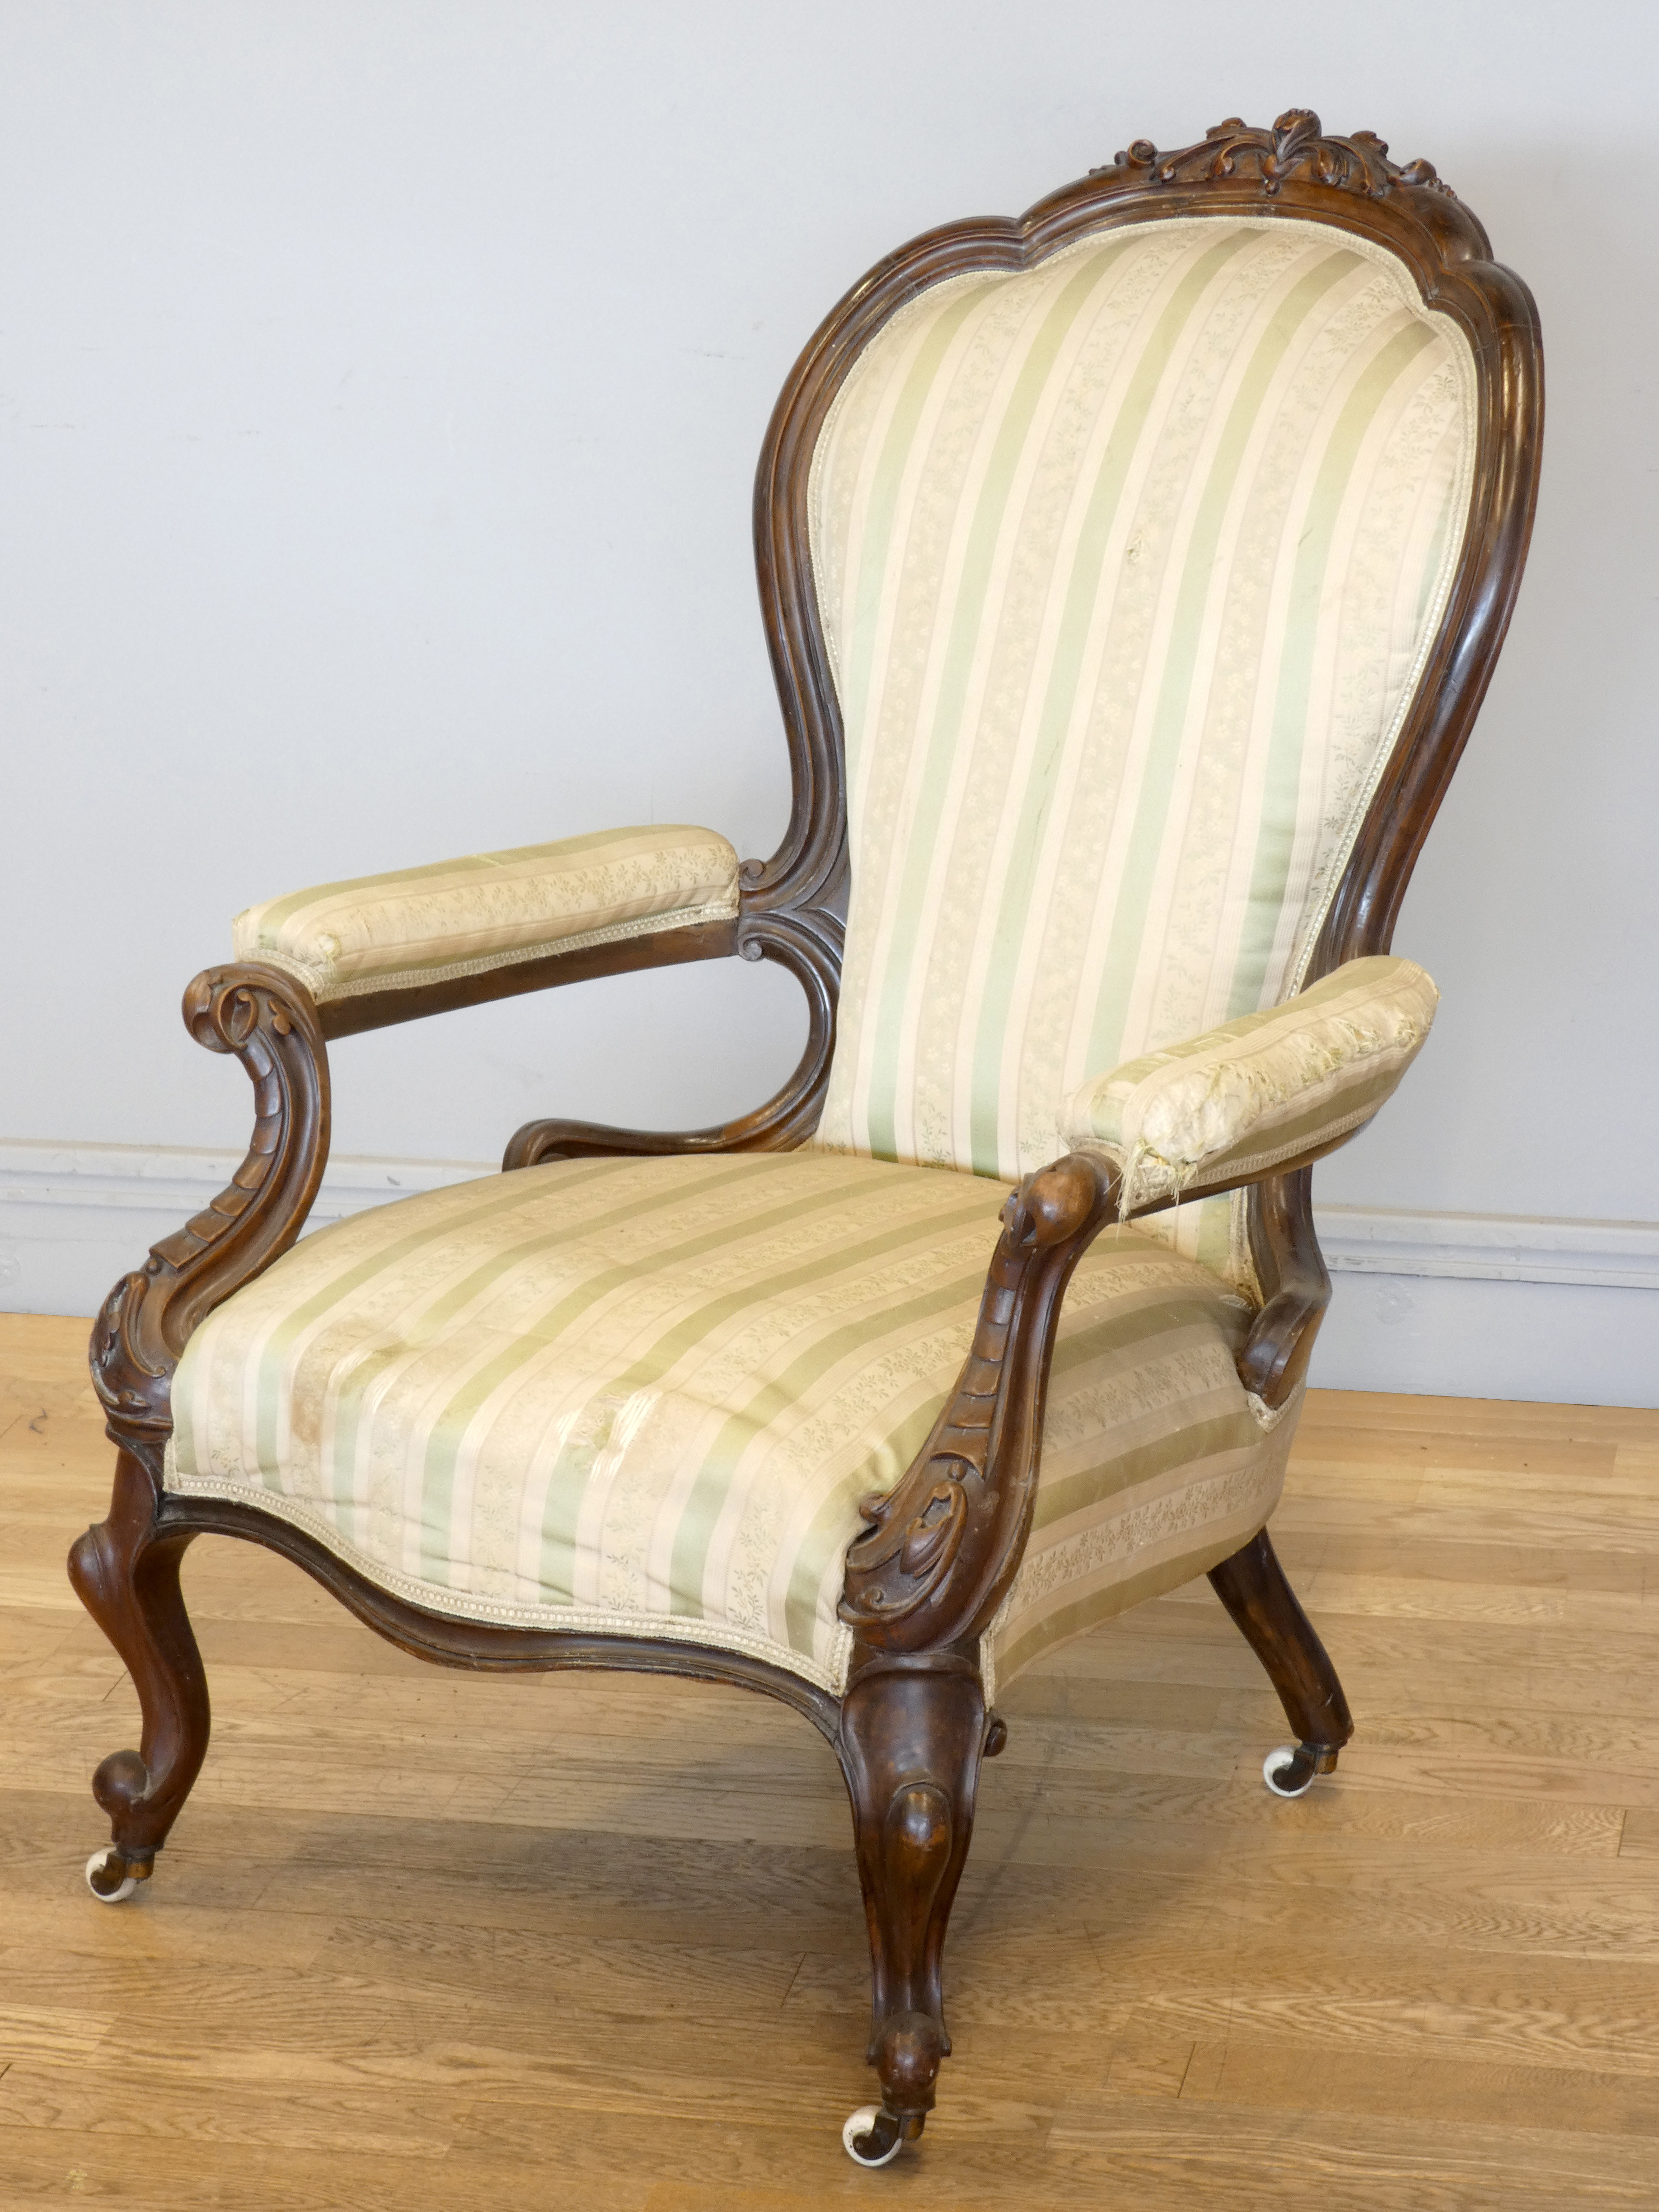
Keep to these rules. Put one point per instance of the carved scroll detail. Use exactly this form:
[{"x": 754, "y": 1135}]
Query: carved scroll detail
[
  {"x": 1296, "y": 1287},
  {"x": 808, "y": 942},
  {"x": 939, "y": 1549},
  {"x": 269, "y": 1021},
  {"x": 1295, "y": 147}
]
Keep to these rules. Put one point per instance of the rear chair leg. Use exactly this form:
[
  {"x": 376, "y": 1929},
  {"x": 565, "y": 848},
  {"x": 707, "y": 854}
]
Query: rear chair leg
[
  {"x": 128, "y": 1580},
  {"x": 1252, "y": 1586}
]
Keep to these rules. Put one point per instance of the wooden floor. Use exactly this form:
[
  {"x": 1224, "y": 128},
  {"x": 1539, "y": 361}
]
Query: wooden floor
[{"x": 423, "y": 1942}]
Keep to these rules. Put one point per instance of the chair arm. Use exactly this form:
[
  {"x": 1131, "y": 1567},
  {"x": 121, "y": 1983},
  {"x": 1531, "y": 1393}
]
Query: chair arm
[
  {"x": 1251, "y": 1099},
  {"x": 1258, "y": 1094},
  {"x": 267, "y": 1021},
  {"x": 420, "y": 940}
]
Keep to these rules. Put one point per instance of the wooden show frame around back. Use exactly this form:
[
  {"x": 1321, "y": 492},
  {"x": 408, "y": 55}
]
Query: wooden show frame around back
[{"x": 1293, "y": 171}]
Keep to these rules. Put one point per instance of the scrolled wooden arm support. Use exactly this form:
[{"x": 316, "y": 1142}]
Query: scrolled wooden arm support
[
  {"x": 807, "y": 941},
  {"x": 270, "y": 1023},
  {"x": 939, "y": 1550},
  {"x": 1296, "y": 1287}
]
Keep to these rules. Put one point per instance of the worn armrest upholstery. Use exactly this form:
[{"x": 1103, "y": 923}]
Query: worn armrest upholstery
[
  {"x": 1223, "y": 1106},
  {"x": 457, "y": 918}
]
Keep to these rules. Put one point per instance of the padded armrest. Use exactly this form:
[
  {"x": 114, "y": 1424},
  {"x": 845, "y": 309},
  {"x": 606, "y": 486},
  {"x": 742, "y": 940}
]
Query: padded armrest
[
  {"x": 1224, "y": 1106},
  {"x": 491, "y": 910}
]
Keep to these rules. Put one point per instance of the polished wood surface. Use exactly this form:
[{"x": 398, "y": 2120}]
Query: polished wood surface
[
  {"x": 660, "y": 948},
  {"x": 1253, "y": 1586},
  {"x": 594, "y": 1941}
]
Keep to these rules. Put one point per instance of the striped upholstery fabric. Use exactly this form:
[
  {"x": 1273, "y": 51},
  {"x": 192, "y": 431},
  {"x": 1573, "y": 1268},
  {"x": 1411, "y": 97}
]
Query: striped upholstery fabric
[
  {"x": 1242, "y": 1098},
  {"x": 489, "y": 909},
  {"x": 1128, "y": 565},
  {"x": 646, "y": 1396}
]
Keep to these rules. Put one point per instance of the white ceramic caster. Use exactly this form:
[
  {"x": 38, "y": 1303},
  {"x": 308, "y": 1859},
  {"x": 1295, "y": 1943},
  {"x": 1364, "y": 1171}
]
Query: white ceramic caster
[
  {"x": 95, "y": 1865},
  {"x": 1278, "y": 1762},
  {"x": 859, "y": 2126}
]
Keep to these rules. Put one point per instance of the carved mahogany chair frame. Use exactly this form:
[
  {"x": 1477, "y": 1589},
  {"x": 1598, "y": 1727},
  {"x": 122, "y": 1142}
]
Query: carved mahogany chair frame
[{"x": 940, "y": 1552}]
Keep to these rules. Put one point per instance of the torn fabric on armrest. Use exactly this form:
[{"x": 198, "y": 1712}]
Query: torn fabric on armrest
[{"x": 1239, "y": 1098}]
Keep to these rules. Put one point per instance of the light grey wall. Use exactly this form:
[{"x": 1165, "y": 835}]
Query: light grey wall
[{"x": 381, "y": 384}]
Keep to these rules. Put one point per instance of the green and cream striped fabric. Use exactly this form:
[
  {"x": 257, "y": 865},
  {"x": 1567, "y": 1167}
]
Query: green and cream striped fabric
[
  {"x": 645, "y": 1396},
  {"x": 1128, "y": 565},
  {"x": 1243, "y": 1098},
  {"x": 491, "y": 910}
]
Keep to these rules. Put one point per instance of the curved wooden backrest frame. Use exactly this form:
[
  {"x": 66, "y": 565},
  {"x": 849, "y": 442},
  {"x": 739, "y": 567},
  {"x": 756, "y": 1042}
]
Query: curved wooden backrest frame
[{"x": 1291, "y": 170}]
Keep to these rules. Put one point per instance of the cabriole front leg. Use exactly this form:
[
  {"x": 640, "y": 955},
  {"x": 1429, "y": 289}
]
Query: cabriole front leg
[
  {"x": 127, "y": 1578},
  {"x": 913, "y": 1733}
]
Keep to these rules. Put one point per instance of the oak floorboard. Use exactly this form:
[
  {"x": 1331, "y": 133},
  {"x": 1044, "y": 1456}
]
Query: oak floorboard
[
  {"x": 1158, "y": 2154},
  {"x": 181, "y": 2172},
  {"x": 594, "y": 1943},
  {"x": 1311, "y": 2075}
]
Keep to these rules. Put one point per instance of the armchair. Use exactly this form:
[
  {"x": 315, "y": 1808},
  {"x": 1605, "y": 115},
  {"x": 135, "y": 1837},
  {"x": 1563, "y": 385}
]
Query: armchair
[{"x": 1133, "y": 572}]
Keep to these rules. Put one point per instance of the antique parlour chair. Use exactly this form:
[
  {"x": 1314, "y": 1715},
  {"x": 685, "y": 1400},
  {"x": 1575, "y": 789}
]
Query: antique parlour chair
[{"x": 1133, "y": 572}]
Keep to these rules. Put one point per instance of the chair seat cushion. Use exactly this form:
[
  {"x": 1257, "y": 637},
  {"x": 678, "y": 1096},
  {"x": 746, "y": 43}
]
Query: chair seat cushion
[{"x": 645, "y": 1396}]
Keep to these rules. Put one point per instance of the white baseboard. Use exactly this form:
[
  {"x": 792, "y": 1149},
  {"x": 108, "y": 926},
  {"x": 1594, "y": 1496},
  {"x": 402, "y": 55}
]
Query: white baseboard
[
  {"x": 1491, "y": 1305},
  {"x": 128, "y": 1177},
  {"x": 1463, "y": 1304},
  {"x": 75, "y": 1218},
  {"x": 1497, "y": 1248}
]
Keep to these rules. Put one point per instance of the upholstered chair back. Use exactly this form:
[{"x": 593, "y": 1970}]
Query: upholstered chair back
[{"x": 1128, "y": 565}]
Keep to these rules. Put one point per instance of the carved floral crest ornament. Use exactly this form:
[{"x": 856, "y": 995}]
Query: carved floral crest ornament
[
  {"x": 1295, "y": 147},
  {"x": 932, "y": 1570}
]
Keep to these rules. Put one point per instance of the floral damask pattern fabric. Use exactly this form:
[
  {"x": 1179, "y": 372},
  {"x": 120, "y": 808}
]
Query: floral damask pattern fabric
[
  {"x": 489, "y": 909},
  {"x": 1129, "y": 565},
  {"x": 647, "y": 1397},
  {"x": 1253, "y": 1091}
]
